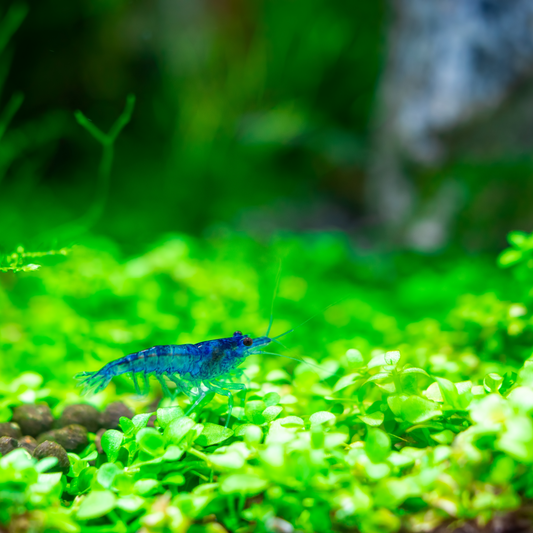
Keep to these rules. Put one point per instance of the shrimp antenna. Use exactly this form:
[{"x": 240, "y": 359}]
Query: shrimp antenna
[
  {"x": 299, "y": 361},
  {"x": 309, "y": 319},
  {"x": 278, "y": 342},
  {"x": 276, "y": 287}
]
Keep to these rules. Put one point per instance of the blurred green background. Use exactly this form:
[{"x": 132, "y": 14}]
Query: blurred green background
[
  {"x": 242, "y": 120},
  {"x": 251, "y": 116}
]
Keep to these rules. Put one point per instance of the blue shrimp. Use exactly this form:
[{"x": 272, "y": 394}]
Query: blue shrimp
[{"x": 195, "y": 369}]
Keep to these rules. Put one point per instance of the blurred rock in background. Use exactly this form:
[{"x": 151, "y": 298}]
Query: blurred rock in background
[{"x": 455, "y": 83}]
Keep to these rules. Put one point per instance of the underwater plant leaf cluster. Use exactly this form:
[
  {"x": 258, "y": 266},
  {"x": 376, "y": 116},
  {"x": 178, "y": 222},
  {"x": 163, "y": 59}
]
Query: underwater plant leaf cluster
[{"x": 416, "y": 407}]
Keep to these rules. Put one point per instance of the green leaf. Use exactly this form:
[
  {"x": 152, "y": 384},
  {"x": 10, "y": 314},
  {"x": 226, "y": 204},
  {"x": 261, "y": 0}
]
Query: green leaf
[
  {"x": 517, "y": 438},
  {"x": 414, "y": 409},
  {"x": 277, "y": 375},
  {"x": 86, "y": 479},
  {"x": 290, "y": 422},
  {"x": 377, "y": 360},
  {"x": 377, "y": 445},
  {"x": 106, "y": 474},
  {"x": 346, "y": 381},
  {"x": 522, "y": 397},
  {"x": 5, "y": 413},
  {"x": 374, "y": 419},
  {"x": 434, "y": 393},
  {"x": 150, "y": 441},
  {"x": 509, "y": 380},
  {"x": 271, "y": 412},
  {"x": 464, "y": 390},
  {"x": 173, "y": 453},
  {"x": 166, "y": 415},
  {"x": 130, "y": 503},
  {"x": 332, "y": 440},
  {"x": 250, "y": 432},
  {"x": 354, "y": 357},
  {"x": 253, "y": 434},
  {"x": 213, "y": 434},
  {"x": 509, "y": 257},
  {"x": 177, "y": 430},
  {"x": 380, "y": 376},
  {"x": 111, "y": 441},
  {"x": 96, "y": 504},
  {"x": 414, "y": 370},
  {"x": 92, "y": 456},
  {"x": 145, "y": 486},
  {"x": 77, "y": 465},
  {"x": 492, "y": 382},
  {"x": 376, "y": 471},
  {"x": 384, "y": 359},
  {"x": 321, "y": 417},
  {"x": 230, "y": 459},
  {"x": 271, "y": 399},
  {"x": 247, "y": 484},
  {"x": 392, "y": 358},
  {"x": 127, "y": 426},
  {"x": 141, "y": 421},
  {"x": 444, "y": 437},
  {"x": 46, "y": 464},
  {"x": 174, "y": 478},
  {"x": 31, "y": 380},
  {"x": 448, "y": 391},
  {"x": 240, "y": 431},
  {"x": 518, "y": 239},
  {"x": 491, "y": 411},
  {"x": 254, "y": 411}
]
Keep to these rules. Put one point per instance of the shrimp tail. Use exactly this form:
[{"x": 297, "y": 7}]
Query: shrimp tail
[{"x": 94, "y": 382}]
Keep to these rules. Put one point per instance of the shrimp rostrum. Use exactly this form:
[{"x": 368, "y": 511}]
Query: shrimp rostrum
[{"x": 195, "y": 369}]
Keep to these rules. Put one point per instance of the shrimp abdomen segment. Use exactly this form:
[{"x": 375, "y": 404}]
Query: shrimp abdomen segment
[{"x": 158, "y": 360}]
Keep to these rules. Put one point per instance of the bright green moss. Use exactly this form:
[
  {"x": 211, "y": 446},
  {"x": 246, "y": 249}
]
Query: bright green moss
[{"x": 378, "y": 439}]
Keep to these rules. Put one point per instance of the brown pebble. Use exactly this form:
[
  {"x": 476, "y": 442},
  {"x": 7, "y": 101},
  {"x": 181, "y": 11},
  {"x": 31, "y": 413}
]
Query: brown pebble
[
  {"x": 83, "y": 414},
  {"x": 98, "y": 440},
  {"x": 28, "y": 443},
  {"x": 33, "y": 419},
  {"x": 53, "y": 449},
  {"x": 112, "y": 414},
  {"x": 10, "y": 429},
  {"x": 72, "y": 438},
  {"x": 8, "y": 444}
]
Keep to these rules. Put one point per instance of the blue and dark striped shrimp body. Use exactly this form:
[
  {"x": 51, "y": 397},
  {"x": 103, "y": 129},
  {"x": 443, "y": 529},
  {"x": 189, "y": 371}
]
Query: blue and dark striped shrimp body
[
  {"x": 195, "y": 369},
  {"x": 219, "y": 357}
]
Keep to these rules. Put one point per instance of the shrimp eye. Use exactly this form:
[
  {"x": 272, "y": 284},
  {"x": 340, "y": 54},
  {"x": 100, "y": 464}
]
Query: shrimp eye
[
  {"x": 247, "y": 341},
  {"x": 237, "y": 334}
]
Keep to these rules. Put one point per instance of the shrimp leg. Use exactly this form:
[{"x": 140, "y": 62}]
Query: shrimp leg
[
  {"x": 146, "y": 384},
  {"x": 179, "y": 384},
  {"x": 218, "y": 387},
  {"x": 136, "y": 383},
  {"x": 245, "y": 389},
  {"x": 201, "y": 396},
  {"x": 164, "y": 386},
  {"x": 180, "y": 387}
]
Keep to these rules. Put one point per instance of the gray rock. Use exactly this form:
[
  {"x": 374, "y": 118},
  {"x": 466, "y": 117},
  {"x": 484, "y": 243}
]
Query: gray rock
[
  {"x": 53, "y": 449},
  {"x": 10, "y": 429},
  {"x": 83, "y": 414},
  {"x": 8, "y": 444},
  {"x": 33, "y": 419},
  {"x": 112, "y": 414}
]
